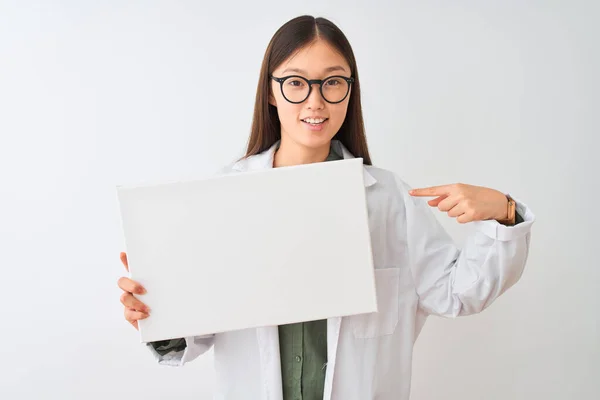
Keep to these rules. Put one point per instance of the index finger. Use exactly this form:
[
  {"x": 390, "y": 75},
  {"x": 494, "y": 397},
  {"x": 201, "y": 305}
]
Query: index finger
[{"x": 431, "y": 191}]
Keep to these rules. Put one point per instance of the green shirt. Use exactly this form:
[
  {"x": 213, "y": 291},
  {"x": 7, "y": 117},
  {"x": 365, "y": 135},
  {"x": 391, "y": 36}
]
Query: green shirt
[{"x": 303, "y": 348}]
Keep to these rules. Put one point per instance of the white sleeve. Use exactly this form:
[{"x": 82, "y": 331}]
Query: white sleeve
[
  {"x": 195, "y": 346},
  {"x": 452, "y": 282}
]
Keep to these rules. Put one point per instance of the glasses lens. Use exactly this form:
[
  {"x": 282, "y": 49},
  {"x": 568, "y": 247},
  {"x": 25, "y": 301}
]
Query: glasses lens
[
  {"x": 295, "y": 89},
  {"x": 335, "y": 89}
]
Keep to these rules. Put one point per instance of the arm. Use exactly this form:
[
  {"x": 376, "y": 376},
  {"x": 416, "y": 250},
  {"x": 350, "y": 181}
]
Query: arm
[{"x": 451, "y": 282}]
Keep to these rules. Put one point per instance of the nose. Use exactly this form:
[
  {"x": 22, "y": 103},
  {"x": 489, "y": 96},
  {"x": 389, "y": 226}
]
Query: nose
[{"x": 315, "y": 101}]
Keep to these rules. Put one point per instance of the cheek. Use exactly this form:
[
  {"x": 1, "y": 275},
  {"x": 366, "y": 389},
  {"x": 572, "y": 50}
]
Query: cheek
[
  {"x": 337, "y": 113},
  {"x": 288, "y": 113}
]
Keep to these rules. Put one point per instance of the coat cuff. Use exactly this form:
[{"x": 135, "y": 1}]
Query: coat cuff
[
  {"x": 175, "y": 357},
  {"x": 497, "y": 231}
]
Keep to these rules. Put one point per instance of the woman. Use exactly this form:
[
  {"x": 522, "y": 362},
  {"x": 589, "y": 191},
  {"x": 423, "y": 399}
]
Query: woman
[{"x": 308, "y": 110}]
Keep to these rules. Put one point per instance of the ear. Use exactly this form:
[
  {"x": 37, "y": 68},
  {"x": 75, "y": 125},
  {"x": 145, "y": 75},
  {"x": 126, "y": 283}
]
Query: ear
[{"x": 272, "y": 100}]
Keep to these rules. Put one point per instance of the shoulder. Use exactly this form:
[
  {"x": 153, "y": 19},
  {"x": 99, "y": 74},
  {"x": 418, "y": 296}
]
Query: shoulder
[
  {"x": 388, "y": 181},
  {"x": 226, "y": 169},
  {"x": 390, "y": 194},
  {"x": 238, "y": 165},
  {"x": 391, "y": 186}
]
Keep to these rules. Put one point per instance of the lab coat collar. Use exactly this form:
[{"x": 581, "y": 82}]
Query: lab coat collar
[{"x": 264, "y": 160}]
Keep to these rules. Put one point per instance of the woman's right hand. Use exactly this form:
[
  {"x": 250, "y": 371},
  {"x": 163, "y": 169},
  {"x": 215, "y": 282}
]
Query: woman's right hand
[{"x": 135, "y": 310}]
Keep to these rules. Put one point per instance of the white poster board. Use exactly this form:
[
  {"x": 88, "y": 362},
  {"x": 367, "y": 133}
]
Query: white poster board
[{"x": 250, "y": 249}]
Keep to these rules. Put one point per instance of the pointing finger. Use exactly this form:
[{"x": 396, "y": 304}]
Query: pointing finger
[{"x": 431, "y": 191}]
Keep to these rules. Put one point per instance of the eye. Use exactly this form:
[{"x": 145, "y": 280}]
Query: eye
[
  {"x": 334, "y": 82},
  {"x": 294, "y": 82}
]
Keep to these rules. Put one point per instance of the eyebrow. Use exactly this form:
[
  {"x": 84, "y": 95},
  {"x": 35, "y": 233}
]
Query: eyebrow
[{"x": 329, "y": 69}]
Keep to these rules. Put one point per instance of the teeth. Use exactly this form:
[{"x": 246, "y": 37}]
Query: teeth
[{"x": 315, "y": 121}]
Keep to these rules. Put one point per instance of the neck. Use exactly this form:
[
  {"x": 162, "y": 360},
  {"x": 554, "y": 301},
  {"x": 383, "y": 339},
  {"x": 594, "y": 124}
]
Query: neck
[{"x": 290, "y": 153}]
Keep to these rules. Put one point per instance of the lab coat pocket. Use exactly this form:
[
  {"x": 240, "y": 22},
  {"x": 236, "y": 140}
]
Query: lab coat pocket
[{"x": 384, "y": 321}]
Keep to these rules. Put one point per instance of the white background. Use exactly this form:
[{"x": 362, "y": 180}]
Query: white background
[{"x": 95, "y": 94}]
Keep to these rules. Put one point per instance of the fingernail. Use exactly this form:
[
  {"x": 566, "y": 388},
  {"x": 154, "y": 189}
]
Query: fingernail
[{"x": 141, "y": 290}]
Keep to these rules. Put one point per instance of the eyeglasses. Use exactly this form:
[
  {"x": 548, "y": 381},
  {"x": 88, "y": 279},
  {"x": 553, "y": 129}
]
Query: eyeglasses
[{"x": 296, "y": 89}]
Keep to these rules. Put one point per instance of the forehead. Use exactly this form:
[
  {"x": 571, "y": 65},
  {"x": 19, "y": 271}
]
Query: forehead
[{"x": 315, "y": 59}]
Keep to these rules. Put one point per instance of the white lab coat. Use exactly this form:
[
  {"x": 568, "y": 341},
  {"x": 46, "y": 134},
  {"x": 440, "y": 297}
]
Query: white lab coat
[{"x": 419, "y": 272}]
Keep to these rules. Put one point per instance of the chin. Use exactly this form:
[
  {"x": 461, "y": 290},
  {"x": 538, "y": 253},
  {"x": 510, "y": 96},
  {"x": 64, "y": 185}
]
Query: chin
[{"x": 313, "y": 140}]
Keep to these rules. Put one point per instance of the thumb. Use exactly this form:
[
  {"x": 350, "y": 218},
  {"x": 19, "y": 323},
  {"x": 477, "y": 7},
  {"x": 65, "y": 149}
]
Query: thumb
[{"x": 123, "y": 257}]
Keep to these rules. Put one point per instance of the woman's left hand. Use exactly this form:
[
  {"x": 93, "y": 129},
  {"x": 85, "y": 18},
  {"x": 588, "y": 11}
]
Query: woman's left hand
[{"x": 466, "y": 202}]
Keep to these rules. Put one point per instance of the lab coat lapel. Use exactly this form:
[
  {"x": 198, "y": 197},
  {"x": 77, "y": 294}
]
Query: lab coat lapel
[
  {"x": 257, "y": 162},
  {"x": 369, "y": 179},
  {"x": 333, "y": 335},
  {"x": 270, "y": 361}
]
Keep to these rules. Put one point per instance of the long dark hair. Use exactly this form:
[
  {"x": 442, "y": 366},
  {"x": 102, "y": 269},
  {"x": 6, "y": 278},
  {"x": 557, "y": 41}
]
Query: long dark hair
[{"x": 293, "y": 35}]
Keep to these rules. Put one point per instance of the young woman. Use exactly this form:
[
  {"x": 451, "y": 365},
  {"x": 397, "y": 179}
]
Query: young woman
[{"x": 308, "y": 110}]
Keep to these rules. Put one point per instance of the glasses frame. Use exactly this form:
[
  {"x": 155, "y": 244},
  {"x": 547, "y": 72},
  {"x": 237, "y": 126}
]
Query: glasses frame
[{"x": 310, "y": 83}]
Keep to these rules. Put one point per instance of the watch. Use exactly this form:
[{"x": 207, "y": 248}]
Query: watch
[{"x": 511, "y": 218}]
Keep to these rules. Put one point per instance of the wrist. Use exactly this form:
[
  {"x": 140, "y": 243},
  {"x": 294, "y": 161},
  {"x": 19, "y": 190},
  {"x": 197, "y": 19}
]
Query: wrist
[
  {"x": 507, "y": 215},
  {"x": 502, "y": 212}
]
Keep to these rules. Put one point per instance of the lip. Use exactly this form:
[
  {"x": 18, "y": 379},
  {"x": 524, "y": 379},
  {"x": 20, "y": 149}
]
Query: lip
[
  {"x": 316, "y": 117},
  {"x": 315, "y": 128}
]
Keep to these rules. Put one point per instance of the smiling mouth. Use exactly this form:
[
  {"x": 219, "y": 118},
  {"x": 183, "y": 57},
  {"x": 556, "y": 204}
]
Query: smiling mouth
[{"x": 314, "y": 122}]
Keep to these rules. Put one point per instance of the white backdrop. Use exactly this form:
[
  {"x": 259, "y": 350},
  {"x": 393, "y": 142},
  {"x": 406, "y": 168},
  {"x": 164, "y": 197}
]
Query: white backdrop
[{"x": 94, "y": 94}]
